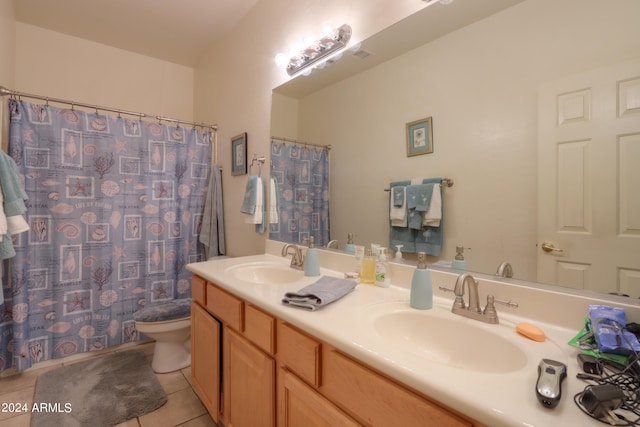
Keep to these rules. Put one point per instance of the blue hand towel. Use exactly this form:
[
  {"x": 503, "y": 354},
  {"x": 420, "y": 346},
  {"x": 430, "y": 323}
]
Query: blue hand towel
[
  {"x": 250, "y": 195},
  {"x": 398, "y": 196},
  {"x": 419, "y": 196},
  {"x": 320, "y": 293}
]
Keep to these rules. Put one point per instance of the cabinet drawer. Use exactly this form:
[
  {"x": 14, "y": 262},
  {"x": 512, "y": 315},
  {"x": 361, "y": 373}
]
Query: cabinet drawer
[
  {"x": 377, "y": 400},
  {"x": 198, "y": 289},
  {"x": 300, "y": 353},
  {"x": 224, "y": 306},
  {"x": 260, "y": 328},
  {"x": 300, "y": 405}
]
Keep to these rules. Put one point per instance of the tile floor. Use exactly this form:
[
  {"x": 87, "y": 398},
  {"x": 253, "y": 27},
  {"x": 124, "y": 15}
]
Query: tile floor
[{"x": 183, "y": 408}]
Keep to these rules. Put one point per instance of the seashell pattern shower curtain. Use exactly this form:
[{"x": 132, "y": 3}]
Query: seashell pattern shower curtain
[
  {"x": 115, "y": 207},
  {"x": 302, "y": 176}
]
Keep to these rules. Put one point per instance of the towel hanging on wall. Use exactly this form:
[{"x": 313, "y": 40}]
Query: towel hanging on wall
[
  {"x": 422, "y": 230},
  {"x": 253, "y": 207}
]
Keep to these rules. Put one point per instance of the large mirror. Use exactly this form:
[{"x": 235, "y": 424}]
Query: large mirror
[{"x": 496, "y": 82}]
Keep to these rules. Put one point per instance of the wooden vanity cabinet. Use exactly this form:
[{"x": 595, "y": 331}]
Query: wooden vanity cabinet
[
  {"x": 248, "y": 383},
  {"x": 377, "y": 400},
  {"x": 205, "y": 358},
  {"x": 273, "y": 372},
  {"x": 299, "y": 405},
  {"x": 232, "y": 364}
]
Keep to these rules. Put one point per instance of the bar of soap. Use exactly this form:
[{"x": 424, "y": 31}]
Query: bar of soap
[{"x": 530, "y": 331}]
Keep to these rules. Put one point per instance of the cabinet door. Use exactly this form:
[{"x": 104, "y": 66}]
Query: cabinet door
[
  {"x": 301, "y": 406},
  {"x": 205, "y": 359},
  {"x": 376, "y": 400},
  {"x": 248, "y": 383}
]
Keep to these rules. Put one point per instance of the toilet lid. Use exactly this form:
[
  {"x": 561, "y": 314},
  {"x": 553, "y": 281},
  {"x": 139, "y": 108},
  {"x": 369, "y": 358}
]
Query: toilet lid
[{"x": 176, "y": 309}]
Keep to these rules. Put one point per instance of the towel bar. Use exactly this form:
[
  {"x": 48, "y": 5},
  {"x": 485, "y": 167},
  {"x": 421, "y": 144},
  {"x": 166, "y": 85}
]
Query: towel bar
[{"x": 447, "y": 182}]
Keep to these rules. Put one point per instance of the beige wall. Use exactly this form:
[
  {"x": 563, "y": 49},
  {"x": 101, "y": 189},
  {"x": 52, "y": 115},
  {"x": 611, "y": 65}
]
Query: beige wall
[
  {"x": 7, "y": 42},
  {"x": 61, "y": 66},
  {"x": 7, "y": 57},
  {"x": 235, "y": 78},
  {"x": 480, "y": 86},
  {"x": 231, "y": 86}
]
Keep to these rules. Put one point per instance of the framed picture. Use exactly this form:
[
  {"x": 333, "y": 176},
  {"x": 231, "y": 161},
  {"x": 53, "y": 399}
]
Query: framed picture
[
  {"x": 419, "y": 137},
  {"x": 239, "y": 154}
]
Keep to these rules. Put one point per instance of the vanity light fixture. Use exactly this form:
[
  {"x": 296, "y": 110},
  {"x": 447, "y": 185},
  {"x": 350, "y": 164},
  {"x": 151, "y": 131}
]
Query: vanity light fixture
[
  {"x": 317, "y": 50},
  {"x": 430, "y": 2}
]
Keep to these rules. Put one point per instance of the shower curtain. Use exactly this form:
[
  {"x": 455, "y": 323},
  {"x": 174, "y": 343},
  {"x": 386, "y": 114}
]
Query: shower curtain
[
  {"x": 302, "y": 177},
  {"x": 115, "y": 207}
]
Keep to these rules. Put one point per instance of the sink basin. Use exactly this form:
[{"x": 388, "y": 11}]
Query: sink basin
[
  {"x": 439, "y": 336},
  {"x": 266, "y": 273}
]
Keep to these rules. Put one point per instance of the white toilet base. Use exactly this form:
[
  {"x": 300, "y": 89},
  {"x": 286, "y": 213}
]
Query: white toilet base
[
  {"x": 173, "y": 343},
  {"x": 170, "y": 356}
]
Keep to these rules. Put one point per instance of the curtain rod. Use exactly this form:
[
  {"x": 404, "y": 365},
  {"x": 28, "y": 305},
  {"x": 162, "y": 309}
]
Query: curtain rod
[
  {"x": 7, "y": 92},
  {"x": 295, "y": 141}
]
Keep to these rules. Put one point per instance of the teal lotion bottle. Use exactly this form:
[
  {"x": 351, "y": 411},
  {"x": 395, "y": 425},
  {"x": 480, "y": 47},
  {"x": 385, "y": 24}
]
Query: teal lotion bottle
[
  {"x": 421, "y": 290},
  {"x": 311, "y": 260},
  {"x": 459, "y": 262},
  {"x": 350, "y": 248}
]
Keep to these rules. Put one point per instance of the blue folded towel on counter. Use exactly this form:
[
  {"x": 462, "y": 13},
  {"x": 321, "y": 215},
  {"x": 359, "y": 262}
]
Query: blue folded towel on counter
[{"x": 320, "y": 293}]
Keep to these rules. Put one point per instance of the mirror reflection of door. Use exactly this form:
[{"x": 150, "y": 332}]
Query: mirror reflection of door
[{"x": 589, "y": 179}]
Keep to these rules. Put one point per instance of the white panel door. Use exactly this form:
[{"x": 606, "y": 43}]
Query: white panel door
[{"x": 589, "y": 180}]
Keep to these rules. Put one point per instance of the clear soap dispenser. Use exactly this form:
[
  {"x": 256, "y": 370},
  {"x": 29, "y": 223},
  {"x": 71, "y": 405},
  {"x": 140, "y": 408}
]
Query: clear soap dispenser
[
  {"x": 421, "y": 296},
  {"x": 459, "y": 263},
  {"x": 311, "y": 260},
  {"x": 368, "y": 269},
  {"x": 383, "y": 278}
]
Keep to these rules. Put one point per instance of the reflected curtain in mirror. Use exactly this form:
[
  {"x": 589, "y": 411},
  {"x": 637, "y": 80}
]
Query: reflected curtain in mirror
[{"x": 302, "y": 177}]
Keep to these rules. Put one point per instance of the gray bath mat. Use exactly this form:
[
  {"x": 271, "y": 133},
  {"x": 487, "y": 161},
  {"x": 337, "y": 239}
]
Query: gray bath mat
[{"x": 98, "y": 392}]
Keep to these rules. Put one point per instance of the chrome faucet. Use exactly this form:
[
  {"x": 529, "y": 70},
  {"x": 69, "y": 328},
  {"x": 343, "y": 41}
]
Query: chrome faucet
[
  {"x": 472, "y": 285},
  {"x": 297, "y": 259},
  {"x": 504, "y": 270},
  {"x": 473, "y": 310},
  {"x": 332, "y": 243}
]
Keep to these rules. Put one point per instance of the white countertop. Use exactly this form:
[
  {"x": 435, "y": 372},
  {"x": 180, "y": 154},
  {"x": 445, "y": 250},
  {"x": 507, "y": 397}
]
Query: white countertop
[{"x": 496, "y": 399}]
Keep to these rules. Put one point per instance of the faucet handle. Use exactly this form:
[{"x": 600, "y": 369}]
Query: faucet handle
[
  {"x": 490, "y": 308},
  {"x": 459, "y": 301},
  {"x": 511, "y": 304}
]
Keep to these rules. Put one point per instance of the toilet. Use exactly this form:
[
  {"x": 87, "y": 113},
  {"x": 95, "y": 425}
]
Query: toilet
[{"x": 169, "y": 324}]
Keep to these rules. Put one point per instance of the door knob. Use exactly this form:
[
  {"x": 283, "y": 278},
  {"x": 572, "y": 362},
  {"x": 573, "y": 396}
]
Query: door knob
[{"x": 549, "y": 247}]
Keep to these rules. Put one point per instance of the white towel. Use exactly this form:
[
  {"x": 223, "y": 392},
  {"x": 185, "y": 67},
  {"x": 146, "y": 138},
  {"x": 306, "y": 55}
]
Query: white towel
[
  {"x": 256, "y": 218},
  {"x": 433, "y": 216},
  {"x": 273, "y": 203},
  {"x": 17, "y": 224}
]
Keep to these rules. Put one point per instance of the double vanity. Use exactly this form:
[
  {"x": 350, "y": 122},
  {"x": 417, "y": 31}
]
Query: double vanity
[{"x": 370, "y": 359}]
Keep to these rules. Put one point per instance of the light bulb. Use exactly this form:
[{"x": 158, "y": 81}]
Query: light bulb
[
  {"x": 281, "y": 59},
  {"x": 328, "y": 28}
]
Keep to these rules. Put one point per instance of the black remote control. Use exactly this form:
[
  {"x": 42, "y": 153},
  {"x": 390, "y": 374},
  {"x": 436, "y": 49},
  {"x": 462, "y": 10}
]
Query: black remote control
[{"x": 548, "y": 387}]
